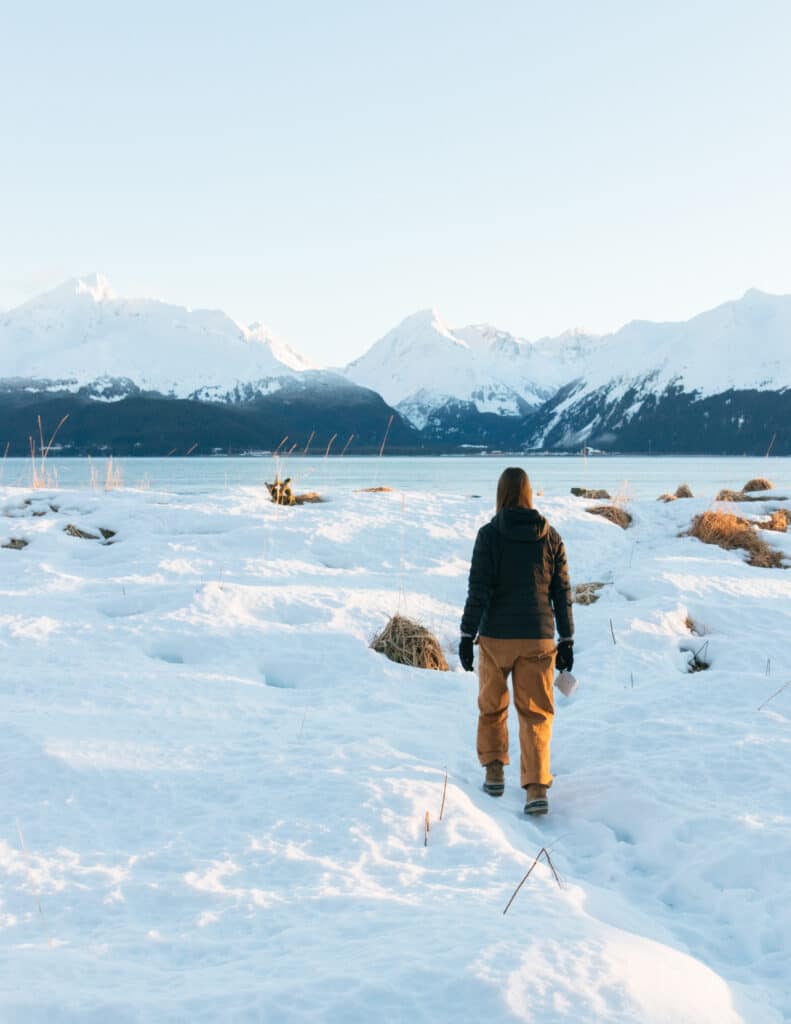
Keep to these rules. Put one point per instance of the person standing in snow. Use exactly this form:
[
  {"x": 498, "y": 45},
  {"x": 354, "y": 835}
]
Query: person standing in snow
[{"x": 518, "y": 592}]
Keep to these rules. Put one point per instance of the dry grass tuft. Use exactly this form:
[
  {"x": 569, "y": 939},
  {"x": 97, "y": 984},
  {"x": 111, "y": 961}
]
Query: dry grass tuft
[
  {"x": 684, "y": 491},
  {"x": 372, "y": 490},
  {"x": 666, "y": 497},
  {"x": 15, "y": 544},
  {"x": 732, "y": 532},
  {"x": 695, "y": 628},
  {"x": 777, "y": 521},
  {"x": 586, "y": 492},
  {"x": 408, "y": 643},
  {"x": 758, "y": 483},
  {"x": 586, "y": 593},
  {"x": 75, "y": 531},
  {"x": 282, "y": 494},
  {"x": 280, "y": 491},
  {"x": 616, "y": 515},
  {"x": 728, "y": 495}
]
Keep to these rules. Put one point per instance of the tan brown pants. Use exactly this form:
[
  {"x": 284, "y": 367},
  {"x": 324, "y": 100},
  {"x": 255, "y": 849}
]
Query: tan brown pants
[{"x": 531, "y": 664}]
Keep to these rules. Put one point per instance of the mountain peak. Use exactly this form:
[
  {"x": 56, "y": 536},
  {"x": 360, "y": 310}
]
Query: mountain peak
[
  {"x": 96, "y": 285},
  {"x": 756, "y": 295},
  {"x": 424, "y": 318}
]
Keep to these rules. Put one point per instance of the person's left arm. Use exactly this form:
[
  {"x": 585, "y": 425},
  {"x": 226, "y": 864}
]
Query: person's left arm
[{"x": 560, "y": 595}]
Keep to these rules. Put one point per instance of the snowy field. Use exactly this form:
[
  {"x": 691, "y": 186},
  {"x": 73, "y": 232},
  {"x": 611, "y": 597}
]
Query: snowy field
[{"x": 215, "y": 794}]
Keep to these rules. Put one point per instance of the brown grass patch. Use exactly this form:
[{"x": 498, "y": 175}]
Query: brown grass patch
[
  {"x": 586, "y": 593},
  {"x": 758, "y": 483},
  {"x": 75, "y": 531},
  {"x": 16, "y": 544},
  {"x": 728, "y": 495},
  {"x": 684, "y": 491},
  {"x": 666, "y": 497},
  {"x": 372, "y": 490},
  {"x": 777, "y": 521},
  {"x": 616, "y": 515},
  {"x": 281, "y": 494},
  {"x": 408, "y": 643},
  {"x": 732, "y": 532},
  {"x": 586, "y": 492}
]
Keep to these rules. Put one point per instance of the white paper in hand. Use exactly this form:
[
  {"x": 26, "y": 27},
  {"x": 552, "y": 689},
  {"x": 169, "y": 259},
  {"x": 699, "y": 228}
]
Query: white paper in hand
[{"x": 566, "y": 683}]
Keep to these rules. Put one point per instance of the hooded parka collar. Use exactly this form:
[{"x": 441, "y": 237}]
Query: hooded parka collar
[{"x": 523, "y": 525}]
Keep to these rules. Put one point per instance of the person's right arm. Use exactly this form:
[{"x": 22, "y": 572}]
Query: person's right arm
[{"x": 480, "y": 585}]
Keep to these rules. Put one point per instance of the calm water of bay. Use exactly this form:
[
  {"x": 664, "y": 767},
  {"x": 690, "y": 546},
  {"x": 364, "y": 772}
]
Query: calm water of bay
[{"x": 632, "y": 476}]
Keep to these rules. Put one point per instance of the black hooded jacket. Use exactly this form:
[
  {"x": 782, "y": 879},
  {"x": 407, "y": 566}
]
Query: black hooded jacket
[{"x": 519, "y": 581}]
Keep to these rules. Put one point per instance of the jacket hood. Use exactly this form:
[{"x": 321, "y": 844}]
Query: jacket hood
[{"x": 524, "y": 525}]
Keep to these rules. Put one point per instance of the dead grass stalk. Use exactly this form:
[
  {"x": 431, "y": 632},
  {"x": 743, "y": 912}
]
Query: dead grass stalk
[
  {"x": 543, "y": 852},
  {"x": 775, "y": 694},
  {"x": 444, "y": 794},
  {"x": 384, "y": 439},
  {"x": 41, "y": 477}
]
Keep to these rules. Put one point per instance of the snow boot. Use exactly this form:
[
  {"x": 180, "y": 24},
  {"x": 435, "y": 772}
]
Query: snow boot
[
  {"x": 494, "y": 783},
  {"x": 537, "y": 802}
]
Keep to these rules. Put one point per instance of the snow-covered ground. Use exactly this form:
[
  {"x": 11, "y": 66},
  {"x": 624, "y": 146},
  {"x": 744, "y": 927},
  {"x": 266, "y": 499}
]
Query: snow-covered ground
[{"x": 214, "y": 792}]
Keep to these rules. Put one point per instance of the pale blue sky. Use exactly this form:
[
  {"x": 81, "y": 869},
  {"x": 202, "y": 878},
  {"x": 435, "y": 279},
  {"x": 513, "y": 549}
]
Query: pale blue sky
[{"x": 331, "y": 167}]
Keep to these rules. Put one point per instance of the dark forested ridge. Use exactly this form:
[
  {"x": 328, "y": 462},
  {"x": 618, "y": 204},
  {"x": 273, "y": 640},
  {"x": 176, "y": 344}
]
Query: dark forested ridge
[
  {"x": 733, "y": 423},
  {"x": 154, "y": 425}
]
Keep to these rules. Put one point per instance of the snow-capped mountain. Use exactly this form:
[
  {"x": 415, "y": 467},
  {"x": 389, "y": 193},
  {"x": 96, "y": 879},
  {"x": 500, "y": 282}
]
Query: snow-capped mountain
[
  {"x": 146, "y": 377},
  {"x": 422, "y": 366},
  {"x": 641, "y": 387},
  {"x": 736, "y": 353},
  {"x": 718, "y": 382},
  {"x": 82, "y": 337}
]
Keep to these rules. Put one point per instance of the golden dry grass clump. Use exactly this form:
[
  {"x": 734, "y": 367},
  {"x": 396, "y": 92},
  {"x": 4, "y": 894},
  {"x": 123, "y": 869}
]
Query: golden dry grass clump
[
  {"x": 683, "y": 491},
  {"x": 408, "y": 643},
  {"x": 586, "y": 492},
  {"x": 372, "y": 490},
  {"x": 731, "y": 532},
  {"x": 777, "y": 521},
  {"x": 586, "y": 593},
  {"x": 616, "y": 515},
  {"x": 758, "y": 483},
  {"x": 666, "y": 497}
]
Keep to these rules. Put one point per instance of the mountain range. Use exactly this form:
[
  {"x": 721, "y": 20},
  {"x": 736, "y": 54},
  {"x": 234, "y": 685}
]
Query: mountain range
[{"x": 147, "y": 377}]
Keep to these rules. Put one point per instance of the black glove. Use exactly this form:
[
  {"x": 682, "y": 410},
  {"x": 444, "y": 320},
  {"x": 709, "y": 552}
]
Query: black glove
[
  {"x": 465, "y": 653},
  {"x": 565, "y": 659}
]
